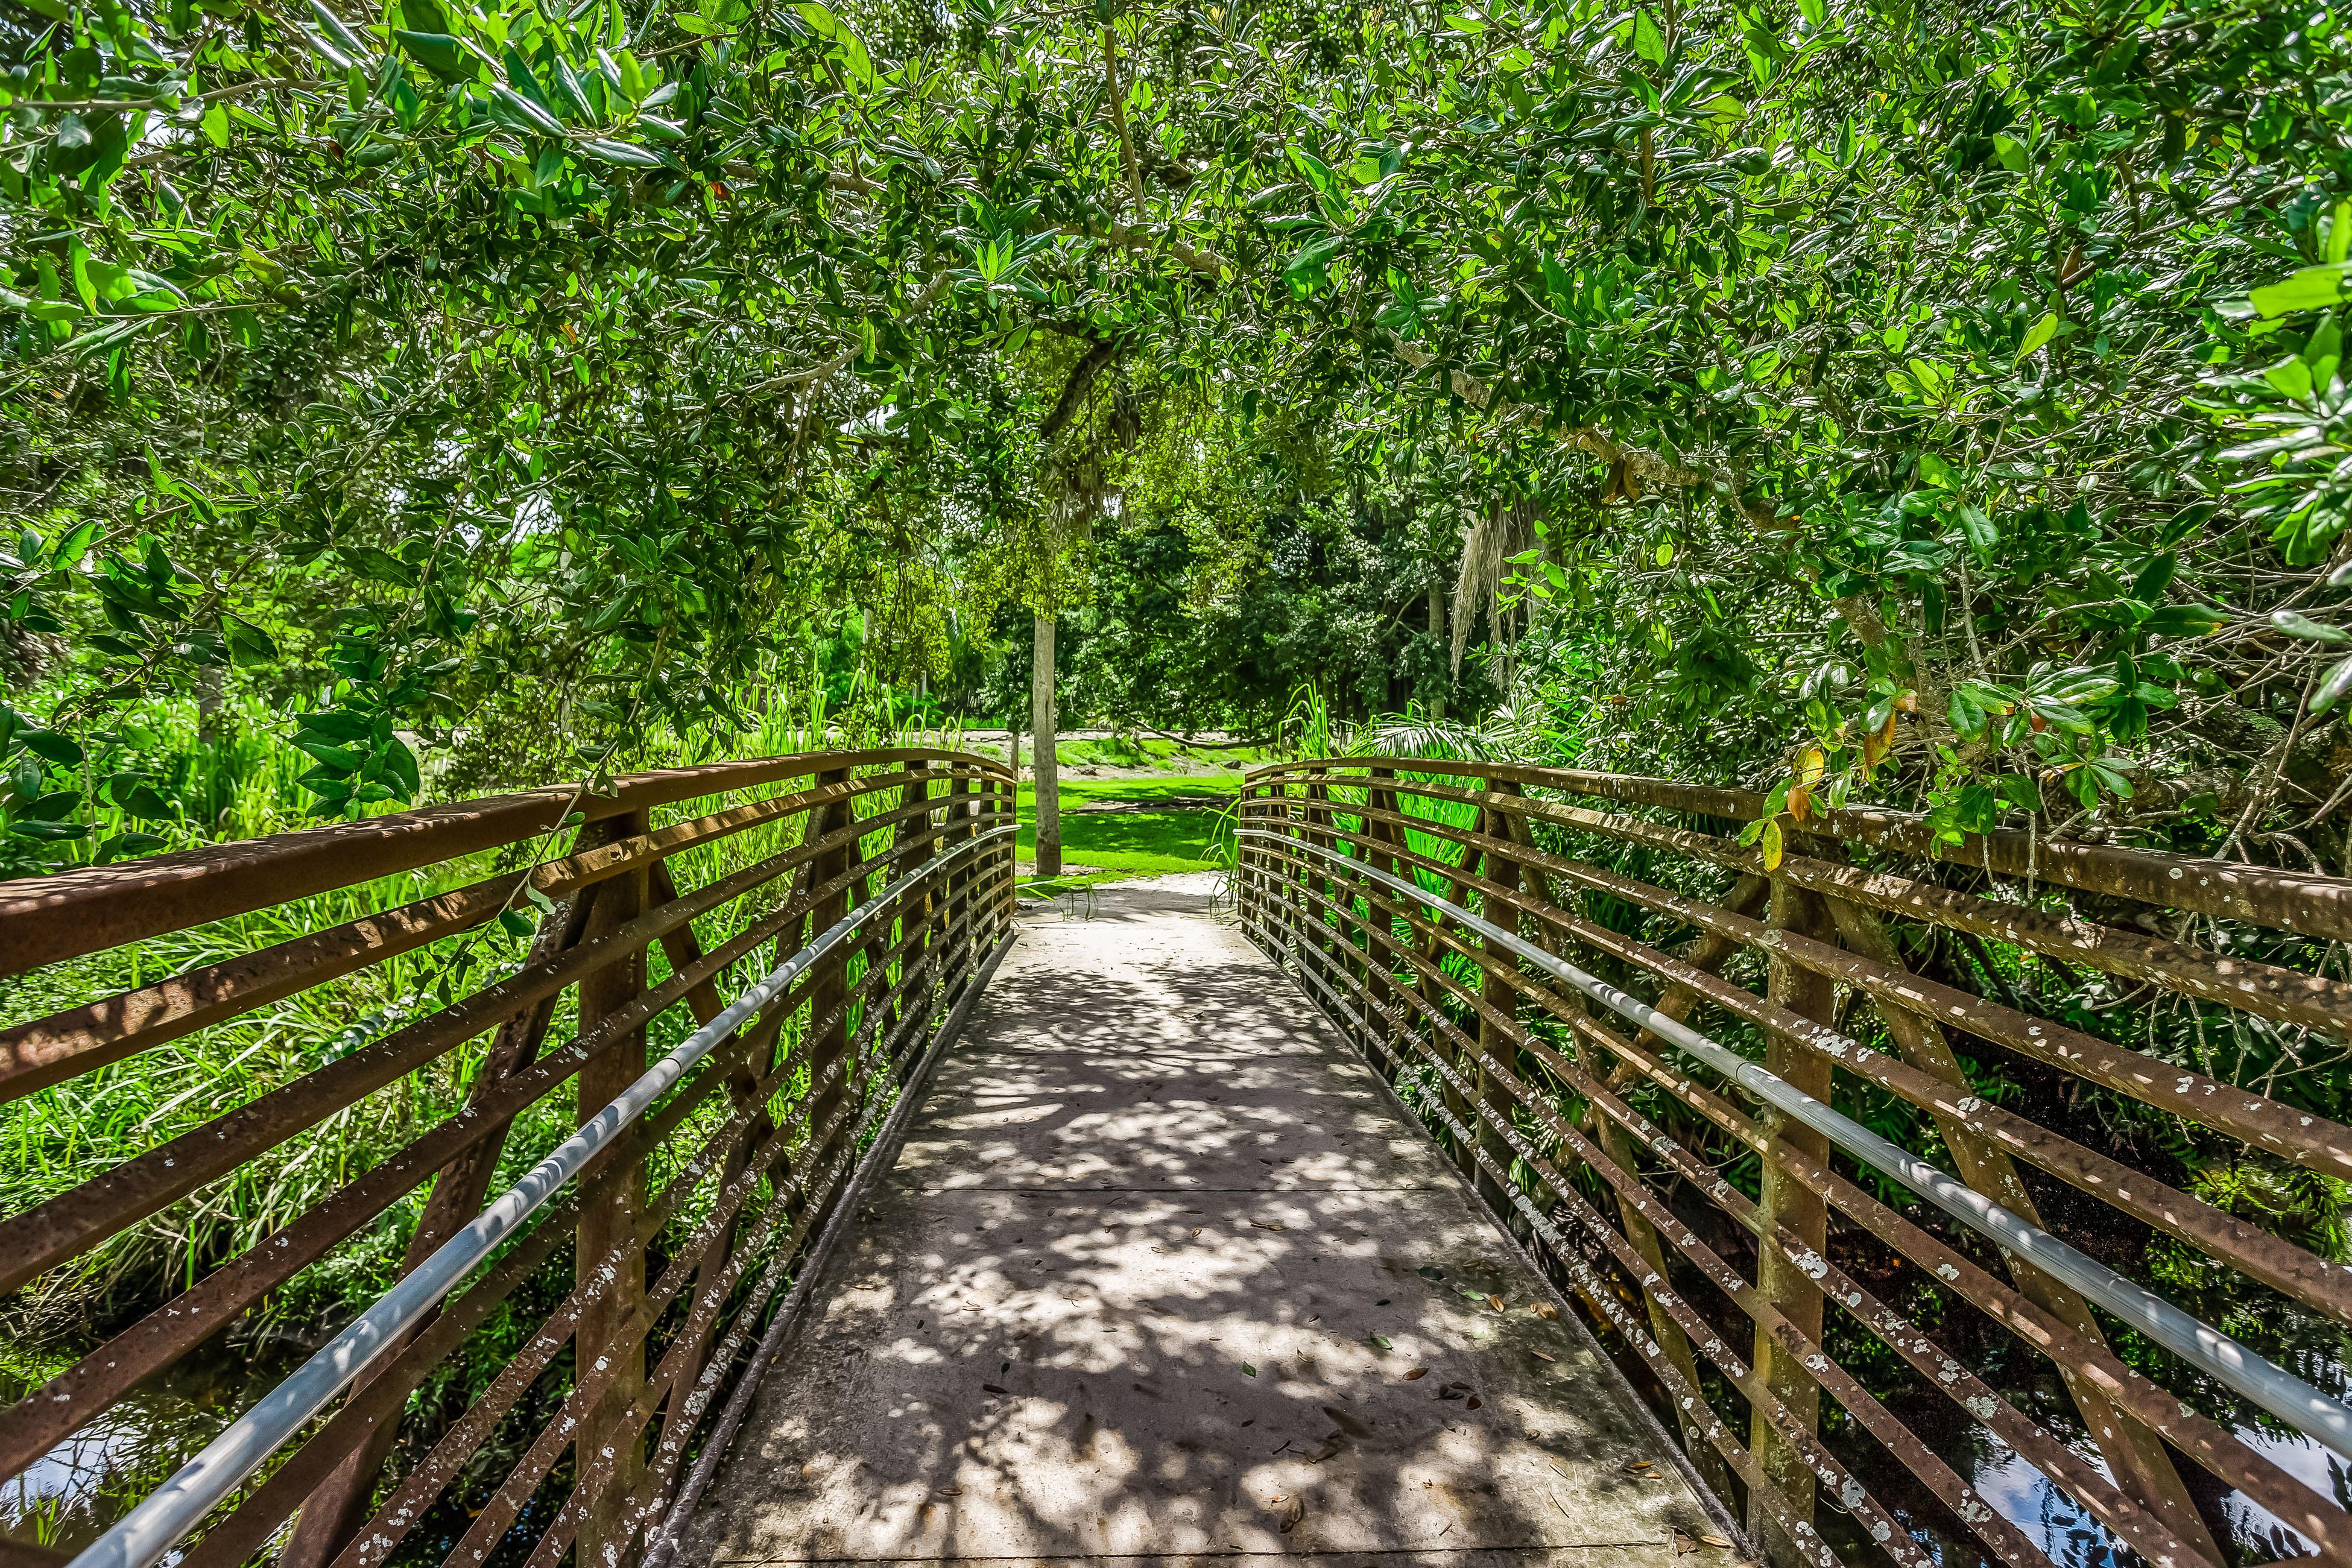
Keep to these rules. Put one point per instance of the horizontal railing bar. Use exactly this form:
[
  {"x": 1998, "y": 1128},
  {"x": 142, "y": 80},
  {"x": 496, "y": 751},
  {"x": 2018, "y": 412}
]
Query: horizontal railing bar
[
  {"x": 64, "y": 1226},
  {"x": 400, "y": 1512},
  {"x": 2262, "y": 1382},
  {"x": 404, "y": 1508},
  {"x": 2275, "y": 1261},
  {"x": 2214, "y": 1446},
  {"x": 2291, "y": 901},
  {"x": 590, "y": 1478},
  {"x": 2145, "y": 1533},
  {"x": 663, "y": 1541},
  {"x": 157, "y": 1522},
  {"x": 45, "y": 919},
  {"x": 2182, "y": 1092},
  {"x": 49, "y": 1050},
  {"x": 2209, "y": 1444},
  {"x": 2297, "y": 1135},
  {"x": 76, "y": 1395},
  {"x": 2267, "y": 990}
]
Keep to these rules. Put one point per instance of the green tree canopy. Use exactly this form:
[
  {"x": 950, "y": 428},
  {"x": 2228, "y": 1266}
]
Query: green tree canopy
[{"x": 1919, "y": 398}]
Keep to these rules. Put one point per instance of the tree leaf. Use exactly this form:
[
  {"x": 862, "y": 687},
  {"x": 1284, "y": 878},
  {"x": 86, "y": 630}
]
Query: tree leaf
[
  {"x": 2312, "y": 288},
  {"x": 2296, "y": 625},
  {"x": 1648, "y": 41},
  {"x": 2332, "y": 689},
  {"x": 2039, "y": 333}
]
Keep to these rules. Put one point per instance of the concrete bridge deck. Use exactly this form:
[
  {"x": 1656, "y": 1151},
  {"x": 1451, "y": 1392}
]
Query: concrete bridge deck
[{"x": 1162, "y": 1275}]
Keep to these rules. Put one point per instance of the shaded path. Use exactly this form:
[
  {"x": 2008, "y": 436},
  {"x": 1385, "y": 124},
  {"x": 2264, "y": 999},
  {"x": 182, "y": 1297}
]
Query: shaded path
[{"x": 1162, "y": 1274}]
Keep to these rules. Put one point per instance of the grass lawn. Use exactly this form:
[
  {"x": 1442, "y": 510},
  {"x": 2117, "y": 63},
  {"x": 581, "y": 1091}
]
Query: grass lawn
[{"x": 1147, "y": 827}]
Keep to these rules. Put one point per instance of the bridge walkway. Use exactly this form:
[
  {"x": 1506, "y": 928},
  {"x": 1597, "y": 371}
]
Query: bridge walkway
[{"x": 1163, "y": 1275}]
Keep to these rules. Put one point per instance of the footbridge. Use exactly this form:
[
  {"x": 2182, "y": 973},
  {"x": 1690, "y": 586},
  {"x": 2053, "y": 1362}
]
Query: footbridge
[{"x": 1491, "y": 1164}]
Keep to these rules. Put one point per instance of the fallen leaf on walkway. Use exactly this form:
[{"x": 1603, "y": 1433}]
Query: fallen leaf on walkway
[
  {"x": 1269, "y": 1224},
  {"x": 1539, "y": 1355},
  {"x": 1293, "y": 1514},
  {"x": 1383, "y": 1342},
  {"x": 1453, "y": 1391},
  {"x": 1426, "y": 1272},
  {"x": 993, "y": 1388},
  {"x": 1497, "y": 1302},
  {"x": 1546, "y": 1311},
  {"x": 1637, "y": 1464},
  {"x": 1475, "y": 1402},
  {"x": 1715, "y": 1540},
  {"x": 1416, "y": 1372},
  {"x": 1248, "y": 1371},
  {"x": 948, "y": 1491},
  {"x": 1684, "y": 1543}
]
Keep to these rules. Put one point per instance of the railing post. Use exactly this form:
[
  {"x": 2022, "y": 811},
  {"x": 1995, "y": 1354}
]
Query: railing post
[
  {"x": 611, "y": 1219},
  {"x": 1786, "y": 1201},
  {"x": 956, "y": 827},
  {"x": 827, "y": 1042},
  {"x": 1250, "y": 862},
  {"x": 1495, "y": 1043},
  {"x": 1618, "y": 1146},
  {"x": 1319, "y": 827},
  {"x": 1009, "y": 797},
  {"x": 914, "y": 911},
  {"x": 333, "y": 1513},
  {"x": 1378, "y": 977}
]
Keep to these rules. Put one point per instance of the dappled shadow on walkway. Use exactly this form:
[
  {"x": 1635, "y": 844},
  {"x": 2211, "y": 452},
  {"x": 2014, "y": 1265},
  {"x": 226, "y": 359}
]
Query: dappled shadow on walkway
[{"x": 1163, "y": 1274}]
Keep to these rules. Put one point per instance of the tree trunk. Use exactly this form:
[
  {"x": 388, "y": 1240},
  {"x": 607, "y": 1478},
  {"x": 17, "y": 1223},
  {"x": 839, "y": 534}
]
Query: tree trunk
[
  {"x": 1437, "y": 630},
  {"x": 1042, "y": 720}
]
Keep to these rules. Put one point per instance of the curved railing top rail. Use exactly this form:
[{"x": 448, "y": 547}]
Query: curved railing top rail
[
  {"x": 46, "y": 920},
  {"x": 2313, "y": 905}
]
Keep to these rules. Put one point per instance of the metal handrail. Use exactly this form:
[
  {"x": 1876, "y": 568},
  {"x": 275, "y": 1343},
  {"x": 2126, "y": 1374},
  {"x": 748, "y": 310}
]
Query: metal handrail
[
  {"x": 2298, "y": 1404},
  {"x": 141, "y": 1537}
]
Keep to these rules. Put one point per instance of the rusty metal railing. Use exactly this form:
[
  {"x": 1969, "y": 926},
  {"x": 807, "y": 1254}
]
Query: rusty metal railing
[
  {"x": 852, "y": 900},
  {"x": 1447, "y": 914}
]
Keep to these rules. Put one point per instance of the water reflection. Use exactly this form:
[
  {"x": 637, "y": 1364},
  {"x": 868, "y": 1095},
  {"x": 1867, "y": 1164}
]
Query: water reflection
[
  {"x": 2049, "y": 1516},
  {"x": 66, "y": 1498}
]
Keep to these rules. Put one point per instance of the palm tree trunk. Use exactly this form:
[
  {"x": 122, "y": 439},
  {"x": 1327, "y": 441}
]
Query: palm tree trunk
[{"x": 1042, "y": 720}]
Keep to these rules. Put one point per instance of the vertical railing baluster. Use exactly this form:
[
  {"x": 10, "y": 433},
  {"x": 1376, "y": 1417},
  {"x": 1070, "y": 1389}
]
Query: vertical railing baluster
[
  {"x": 1494, "y": 1042},
  {"x": 1378, "y": 979},
  {"x": 606, "y": 1342},
  {"x": 828, "y": 1041},
  {"x": 1786, "y": 1201},
  {"x": 1318, "y": 819}
]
